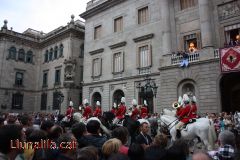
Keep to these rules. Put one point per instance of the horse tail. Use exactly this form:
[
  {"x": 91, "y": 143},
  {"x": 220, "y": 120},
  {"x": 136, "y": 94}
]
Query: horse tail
[{"x": 211, "y": 135}]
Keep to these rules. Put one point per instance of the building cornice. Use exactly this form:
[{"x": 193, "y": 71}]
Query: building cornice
[
  {"x": 96, "y": 51},
  {"x": 100, "y": 8},
  {"x": 121, "y": 79},
  {"x": 143, "y": 38},
  {"x": 117, "y": 45}
]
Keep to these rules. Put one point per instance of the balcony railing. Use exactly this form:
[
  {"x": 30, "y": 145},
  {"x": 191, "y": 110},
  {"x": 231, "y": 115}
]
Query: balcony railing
[{"x": 201, "y": 55}]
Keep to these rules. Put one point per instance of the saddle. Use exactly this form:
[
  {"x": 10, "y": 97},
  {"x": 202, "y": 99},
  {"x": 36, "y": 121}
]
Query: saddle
[{"x": 190, "y": 122}]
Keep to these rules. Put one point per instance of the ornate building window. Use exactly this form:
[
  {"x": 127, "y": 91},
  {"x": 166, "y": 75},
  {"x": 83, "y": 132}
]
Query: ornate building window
[
  {"x": 51, "y": 55},
  {"x": 55, "y": 52},
  {"x": 44, "y": 101},
  {"x": 45, "y": 79},
  {"x": 19, "y": 79},
  {"x": 29, "y": 57},
  {"x": 97, "y": 32},
  {"x": 232, "y": 35},
  {"x": 61, "y": 50},
  {"x": 46, "y": 56},
  {"x": 21, "y": 55},
  {"x": 57, "y": 76},
  {"x": 12, "y": 53},
  {"x": 144, "y": 59},
  {"x": 56, "y": 102},
  {"x": 17, "y": 101},
  {"x": 118, "y": 62},
  {"x": 187, "y": 4},
  {"x": 118, "y": 24},
  {"x": 96, "y": 67},
  {"x": 192, "y": 42},
  {"x": 143, "y": 15}
]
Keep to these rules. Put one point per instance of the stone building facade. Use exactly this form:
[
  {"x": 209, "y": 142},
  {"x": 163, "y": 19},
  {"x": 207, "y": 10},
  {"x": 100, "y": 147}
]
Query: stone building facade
[
  {"x": 41, "y": 72},
  {"x": 127, "y": 41}
]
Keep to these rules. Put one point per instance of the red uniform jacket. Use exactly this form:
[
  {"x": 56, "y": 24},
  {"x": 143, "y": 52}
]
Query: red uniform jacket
[
  {"x": 144, "y": 112},
  {"x": 121, "y": 111},
  {"x": 135, "y": 113},
  {"x": 69, "y": 112},
  {"x": 114, "y": 111},
  {"x": 87, "y": 112},
  {"x": 193, "y": 113},
  {"x": 97, "y": 112},
  {"x": 184, "y": 114}
]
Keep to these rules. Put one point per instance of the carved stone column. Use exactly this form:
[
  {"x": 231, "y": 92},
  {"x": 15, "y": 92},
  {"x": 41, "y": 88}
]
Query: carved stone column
[
  {"x": 205, "y": 23},
  {"x": 165, "y": 25}
]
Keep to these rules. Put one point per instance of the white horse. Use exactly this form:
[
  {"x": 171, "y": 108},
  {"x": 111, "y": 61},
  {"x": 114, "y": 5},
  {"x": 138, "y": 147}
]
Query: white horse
[
  {"x": 237, "y": 121},
  {"x": 202, "y": 128}
]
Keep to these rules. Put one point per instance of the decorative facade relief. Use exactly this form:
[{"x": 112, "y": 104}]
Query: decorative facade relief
[
  {"x": 229, "y": 10},
  {"x": 69, "y": 71}
]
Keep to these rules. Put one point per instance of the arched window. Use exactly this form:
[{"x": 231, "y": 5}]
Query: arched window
[
  {"x": 46, "y": 56},
  {"x": 96, "y": 97},
  {"x": 21, "y": 55},
  {"x": 187, "y": 87},
  {"x": 12, "y": 53},
  {"x": 55, "y": 52},
  {"x": 51, "y": 54},
  {"x": 61, "y": 50},
  {"x": 29, "y": 58}
]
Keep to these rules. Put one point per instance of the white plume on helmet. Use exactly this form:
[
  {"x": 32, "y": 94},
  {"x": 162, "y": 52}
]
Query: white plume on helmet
[
  {"x": 114, "y": 105},
  {"x": 134, "y": 102},
  {"x": 145, "y": 103},
  {"x": 85, "y": 101},
  {"x": 98, "y": 103},
  {"x": 71, "y": 103},
  {"x": 194, "y": 99},
  {"x": 180, "y": 100},
  {"x": 123, "y": 100},
  {"x": 186, "y": 98}
]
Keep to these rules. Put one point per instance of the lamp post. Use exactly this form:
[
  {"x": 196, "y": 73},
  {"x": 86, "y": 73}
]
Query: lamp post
[{"x": 149, "y": 88}]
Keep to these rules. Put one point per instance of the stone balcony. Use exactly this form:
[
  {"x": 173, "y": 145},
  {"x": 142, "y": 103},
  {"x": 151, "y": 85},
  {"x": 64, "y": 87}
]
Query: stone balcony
[
  {"x": 169, "y": 60},
  {"x": 93, "y": 3}
]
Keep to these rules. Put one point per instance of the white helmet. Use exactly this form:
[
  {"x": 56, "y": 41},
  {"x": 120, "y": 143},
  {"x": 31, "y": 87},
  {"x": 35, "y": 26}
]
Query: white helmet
[
  {"x": 134, "y": 102},
  {"x": 114, "y": 105},
  {"x": 145, "y": 103},
  {"x": 194, "y": 99},
  {"x": 98, "y": 103},
  {"x": 123, "y": 100},
  {"x": 186, "y": 98},
  {"x": 85, "y": 101},
  {"x": 180, "y": 100},
  {"x": 71, "y": 103}
]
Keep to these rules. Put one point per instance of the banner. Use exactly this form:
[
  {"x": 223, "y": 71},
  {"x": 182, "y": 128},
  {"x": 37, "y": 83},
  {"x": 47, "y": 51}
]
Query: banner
[{"x": 230, "y": 59}]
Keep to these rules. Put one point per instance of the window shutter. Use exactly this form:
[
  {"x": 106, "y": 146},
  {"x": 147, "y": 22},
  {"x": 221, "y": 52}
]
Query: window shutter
[
  {"x": 138, "y": 58},
  {"x": 182, "y": 43},
  {"x": 150, "y": 55},
  {"x": 100, "y": 67},
  {"x": 199, "y": 41},
  {"x": 122, "y": 62}
]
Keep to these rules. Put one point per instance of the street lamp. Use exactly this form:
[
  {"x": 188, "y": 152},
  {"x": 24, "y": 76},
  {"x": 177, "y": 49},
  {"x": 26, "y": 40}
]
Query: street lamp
[{"x": 149, "y": 89}]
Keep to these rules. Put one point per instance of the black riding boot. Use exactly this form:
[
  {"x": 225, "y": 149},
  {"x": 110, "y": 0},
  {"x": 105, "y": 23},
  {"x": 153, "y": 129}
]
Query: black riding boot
[{"x": 178, "y": 135}]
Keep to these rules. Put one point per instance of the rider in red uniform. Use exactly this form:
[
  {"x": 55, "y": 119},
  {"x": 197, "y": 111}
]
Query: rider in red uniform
[
  {"x": 114, "y": 109},
  {"x": 98, "y": 111},
  {"x": 87, "y": 110},
  {"x": 70, "y": 111},
  {"x": 135, "y": 111},
  {"x": 144, "y": 110},
  {"x": 193, "y": 113},
  {"x": 183, "y": 114},
  {"x": 121, "y": 111}
]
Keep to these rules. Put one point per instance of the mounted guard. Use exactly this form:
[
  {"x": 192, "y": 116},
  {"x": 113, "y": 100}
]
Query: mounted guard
[
  {"x": 135, "y": 111},
  {"x": 87, "y": 109},
  {"x": 144, "y": 110},
  {"x": 98, "y": 110},
  {"x": 183, "y": 114},
  {"x": 193, "y": 114},
  {"x": 121, "y": 111},
  {"x": 69, "y": 112}
]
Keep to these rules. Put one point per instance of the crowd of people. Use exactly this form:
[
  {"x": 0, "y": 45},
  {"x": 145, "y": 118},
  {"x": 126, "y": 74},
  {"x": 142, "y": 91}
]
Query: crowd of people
[{"x": 46, "y": 138}]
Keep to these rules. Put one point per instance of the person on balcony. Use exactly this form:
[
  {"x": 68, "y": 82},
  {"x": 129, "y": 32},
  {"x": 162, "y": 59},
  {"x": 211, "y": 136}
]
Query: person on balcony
[{"x": 185, "y": 57}]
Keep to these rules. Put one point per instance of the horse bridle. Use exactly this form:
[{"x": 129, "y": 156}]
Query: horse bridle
[{"x": 167, "y": 125}]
